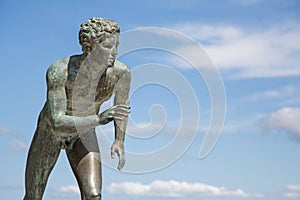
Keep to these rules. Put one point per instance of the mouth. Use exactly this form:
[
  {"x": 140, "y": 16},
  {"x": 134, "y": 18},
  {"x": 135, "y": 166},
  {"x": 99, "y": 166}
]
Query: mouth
[{"x": 111, "y": 61}]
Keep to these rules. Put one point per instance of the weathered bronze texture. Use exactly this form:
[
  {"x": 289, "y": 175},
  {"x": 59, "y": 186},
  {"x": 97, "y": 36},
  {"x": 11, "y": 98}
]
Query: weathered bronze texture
[{"x": 76, "y": 88}]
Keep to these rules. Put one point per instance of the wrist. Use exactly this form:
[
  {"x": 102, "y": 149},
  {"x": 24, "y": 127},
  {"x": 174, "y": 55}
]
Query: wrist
[
  {"x": 98, "y": 119},
  {"x": 101, "y": 119},
  {"x": 119, "y": 141}
]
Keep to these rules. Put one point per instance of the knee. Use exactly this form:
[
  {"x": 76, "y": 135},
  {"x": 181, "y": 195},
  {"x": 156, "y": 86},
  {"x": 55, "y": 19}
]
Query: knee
[
  {"x": 92, "y": 196},
  {"x": 96, "y": 197},
  {"x": 32, "y": 197}
]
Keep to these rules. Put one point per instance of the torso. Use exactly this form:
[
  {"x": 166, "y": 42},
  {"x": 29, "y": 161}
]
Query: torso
[{"x": 86, "y": 90}]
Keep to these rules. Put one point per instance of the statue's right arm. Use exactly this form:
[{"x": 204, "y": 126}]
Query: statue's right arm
[{"x": 57, "y": 101}]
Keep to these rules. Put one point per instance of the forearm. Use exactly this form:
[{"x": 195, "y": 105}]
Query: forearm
[
  {"x": 120, "y": 129},
  {"x": 68, "y": 123},
  {"x": 122, "y": 98}
]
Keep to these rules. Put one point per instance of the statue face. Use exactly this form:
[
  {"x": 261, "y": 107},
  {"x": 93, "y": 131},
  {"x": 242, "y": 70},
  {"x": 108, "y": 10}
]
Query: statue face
[{"x": 106, "y": 52}]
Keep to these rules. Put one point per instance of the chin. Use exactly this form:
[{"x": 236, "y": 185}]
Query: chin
[{"x": 111, "y": 64}]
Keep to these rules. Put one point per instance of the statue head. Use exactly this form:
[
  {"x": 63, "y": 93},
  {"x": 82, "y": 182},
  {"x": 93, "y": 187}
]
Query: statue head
[{"x": 94, "y": 31}]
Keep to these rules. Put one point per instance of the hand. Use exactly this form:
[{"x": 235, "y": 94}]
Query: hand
[
  {"x": 118, "y": 148},
  {"x": 117, "y": 112}
]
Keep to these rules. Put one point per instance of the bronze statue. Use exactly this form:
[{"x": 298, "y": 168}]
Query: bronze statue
[{"x": 76, "y": 88}]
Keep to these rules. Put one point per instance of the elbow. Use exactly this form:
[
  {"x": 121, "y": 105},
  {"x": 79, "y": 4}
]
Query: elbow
[
  {"x": 62, "y": 124},
  {"x": 58, "y": 123}
]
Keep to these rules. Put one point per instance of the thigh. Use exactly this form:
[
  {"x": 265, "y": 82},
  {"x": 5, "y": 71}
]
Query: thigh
[
  {"x": 42, "y": 156},
  {"x": 86, "y": 165}
]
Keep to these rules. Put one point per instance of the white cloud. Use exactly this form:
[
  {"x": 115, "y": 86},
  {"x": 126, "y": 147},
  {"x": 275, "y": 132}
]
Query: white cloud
[
  {"x": 8, "y": 132},
  {"x": 18, "y": 146},
  {"x": 239, "y": 125},
  {"x": 286, "y": 119},
  {"x": 292, "y": 191},
  {"x": 11, "y": 187},
  {"x": 266, "y": 52},
  {"x": 287, "y": 91},
  {"x": 67, "y": 190},
  {"x": 174, "y": 189},
  {"x": 4, "y": 130}
]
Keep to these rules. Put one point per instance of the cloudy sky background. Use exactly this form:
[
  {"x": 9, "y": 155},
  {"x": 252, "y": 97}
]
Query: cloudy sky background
[{"x": 255, "y": 46}]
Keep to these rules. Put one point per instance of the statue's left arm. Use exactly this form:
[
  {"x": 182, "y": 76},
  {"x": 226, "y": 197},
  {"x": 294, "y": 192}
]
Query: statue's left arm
[{"x": 121, "y": 98}]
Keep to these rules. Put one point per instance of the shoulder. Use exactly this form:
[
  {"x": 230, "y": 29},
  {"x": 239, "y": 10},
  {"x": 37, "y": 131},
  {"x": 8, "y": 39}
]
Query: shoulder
[
  {"x": 57, "y": 72},
  {"x": 121, "y": 67},
  {"x": 121, "y": 70}
]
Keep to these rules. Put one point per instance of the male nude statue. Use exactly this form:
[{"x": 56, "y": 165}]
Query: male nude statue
[{"x": 76, "y": 88}]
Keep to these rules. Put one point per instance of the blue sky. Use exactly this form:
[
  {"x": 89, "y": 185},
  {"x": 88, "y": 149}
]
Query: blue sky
[{"x": 255, "y": 47}]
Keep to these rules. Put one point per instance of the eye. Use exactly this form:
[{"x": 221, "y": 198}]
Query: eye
[{"x": 107, "y": 45}]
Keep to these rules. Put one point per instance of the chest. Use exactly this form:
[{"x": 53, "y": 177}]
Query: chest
[{"x": 86, "y": 88}]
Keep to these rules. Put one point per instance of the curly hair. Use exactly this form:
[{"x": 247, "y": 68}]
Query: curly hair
[{"x": 94, "y": 30}]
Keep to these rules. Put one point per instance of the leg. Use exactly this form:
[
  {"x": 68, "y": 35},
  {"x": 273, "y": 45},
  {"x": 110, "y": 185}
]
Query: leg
[
  {"x": 42, "y": 156},
  {"x": 86, "y": 165}
]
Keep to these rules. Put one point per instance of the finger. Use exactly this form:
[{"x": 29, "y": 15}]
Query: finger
[
  {"x": 119, "y": 118},
  {"x": 123, "y": 106},
  {"x": 121, "y": 162},
  {"x": 113, "y": 107},
  {"x": 109, "y": 116},
  {"x": 121, "y": 109},
  {"x": 120, "y": 114},
  {"x": 113, "y": 152},
  {"x": 118, "y": 152},
  {"x": 112, "y": 155}
]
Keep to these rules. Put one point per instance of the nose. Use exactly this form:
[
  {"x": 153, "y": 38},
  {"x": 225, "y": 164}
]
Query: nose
[{"x": 114, "y": 51}]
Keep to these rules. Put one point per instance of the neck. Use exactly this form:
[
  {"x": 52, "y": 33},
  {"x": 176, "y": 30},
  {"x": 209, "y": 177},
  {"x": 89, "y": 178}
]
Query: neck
[{"x": 89, "y": 64}]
